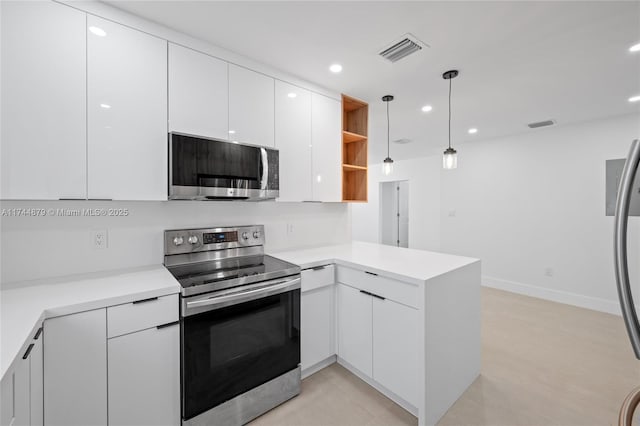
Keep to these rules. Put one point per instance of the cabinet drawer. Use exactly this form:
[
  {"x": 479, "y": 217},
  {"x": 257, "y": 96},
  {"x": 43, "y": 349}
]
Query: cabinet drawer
[
  {"x": 317, "y": 277},
  {"x": 141, "y": 314},
  {"x": 399, "y": 291}
]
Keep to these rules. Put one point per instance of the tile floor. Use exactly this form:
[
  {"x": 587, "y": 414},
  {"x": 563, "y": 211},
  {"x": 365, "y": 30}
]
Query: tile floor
[{"x": 543, "y": 363}]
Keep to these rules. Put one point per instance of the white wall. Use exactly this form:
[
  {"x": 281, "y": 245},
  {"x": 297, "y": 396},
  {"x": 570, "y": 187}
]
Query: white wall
[
  {"x": 423, "y": 176},
  {"x": 40, "y": 247},
  {"x": 522, "y": 204},
  {"x": 535, "y": 201}
]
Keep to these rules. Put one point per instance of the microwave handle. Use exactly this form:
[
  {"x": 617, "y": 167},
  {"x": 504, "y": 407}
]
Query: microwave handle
[{"x": 265, "y": 168}]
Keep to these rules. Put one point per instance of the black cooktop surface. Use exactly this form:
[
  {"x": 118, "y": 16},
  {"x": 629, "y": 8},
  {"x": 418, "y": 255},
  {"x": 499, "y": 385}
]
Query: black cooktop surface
[{"x": 219, "y": 274}]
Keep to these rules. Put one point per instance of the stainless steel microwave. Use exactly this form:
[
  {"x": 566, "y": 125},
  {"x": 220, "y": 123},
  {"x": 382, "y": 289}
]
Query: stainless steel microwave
[{"x": 210, "y": 169}]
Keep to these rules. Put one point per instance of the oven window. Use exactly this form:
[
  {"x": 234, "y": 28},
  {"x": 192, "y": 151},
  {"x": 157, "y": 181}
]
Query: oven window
[{"x": 231, "y": 350}]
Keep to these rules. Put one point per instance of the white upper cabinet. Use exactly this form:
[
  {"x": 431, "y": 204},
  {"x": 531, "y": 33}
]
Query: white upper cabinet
[
  {"x": 326, "y": 119},
  {"x": 293, "y": 141},
  {"x": 127, "y": 113},
  {"x": 43, "y": 142},
  {"x": 251, "y": 109},
  {"x": 198, "y": 93}
]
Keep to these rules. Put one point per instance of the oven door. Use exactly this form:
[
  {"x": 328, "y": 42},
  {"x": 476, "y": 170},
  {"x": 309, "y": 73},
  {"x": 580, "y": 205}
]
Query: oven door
[
  {"x": 236, "y": 340},
  {"x": 209, "y": 169}
]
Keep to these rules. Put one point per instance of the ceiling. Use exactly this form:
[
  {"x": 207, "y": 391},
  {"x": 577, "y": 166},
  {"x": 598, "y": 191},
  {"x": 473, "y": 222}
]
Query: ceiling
[{"x": 519, "y": 62}]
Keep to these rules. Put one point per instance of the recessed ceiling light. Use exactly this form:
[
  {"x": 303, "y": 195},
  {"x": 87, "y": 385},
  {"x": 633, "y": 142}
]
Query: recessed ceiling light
[
  {"x": 231, "y": 132},
  {"x": 335, "y": 68},
  {"x": 427, "y": 108},
  {"x": 473, "y": 131},
  {"x": 635, "y": 48},
  {"x": 105, "y": 106},
  {"x": 292, "y": 95},
  {"x": 98, "y": 31},
  {"x": 634, "y": 98}
]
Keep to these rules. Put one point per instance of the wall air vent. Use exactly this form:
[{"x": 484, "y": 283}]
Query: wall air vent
[
  {"x": 407, "y": 45},
  {"x": 541, "y": 124}
]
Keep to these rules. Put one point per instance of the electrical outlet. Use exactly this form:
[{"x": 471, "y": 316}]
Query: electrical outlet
[
  {"x": 548, "y": 272},
  {"x": 99, "y": 239},
  {"x": 452, "y": 213}
]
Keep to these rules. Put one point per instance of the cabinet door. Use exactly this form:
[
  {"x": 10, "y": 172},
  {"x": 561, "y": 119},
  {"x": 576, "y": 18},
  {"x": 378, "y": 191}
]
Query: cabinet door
[
  {"x": 43, "y": 149},
  {"x": 75, "y": 369},
  {"x": 144, "y": 378},
  {"x": 293, "y": 140},
  {"x": 36, "y": 380},
  {"x": 127, "y": 112},
  {"x": 327, "y": 148},
  {"x": 198, "y": 93},
  {"x": 396, "y": 350},
  {"x": 6, "y": 398},
  {"x": 316, "y": 319},
  {"x": 15, "y": 396},
  {"x": 354, "y": 332},
  {"x": 251, "y": 109}
]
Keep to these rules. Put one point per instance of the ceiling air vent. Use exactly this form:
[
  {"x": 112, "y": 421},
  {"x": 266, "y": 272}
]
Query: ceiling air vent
[
  {"x": 541, "y": 124},
  {"x": 407, "y": 45}
]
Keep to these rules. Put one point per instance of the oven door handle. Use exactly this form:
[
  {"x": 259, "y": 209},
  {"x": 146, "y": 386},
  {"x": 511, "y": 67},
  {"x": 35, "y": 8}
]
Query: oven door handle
[{"x": 217, "y": 302}]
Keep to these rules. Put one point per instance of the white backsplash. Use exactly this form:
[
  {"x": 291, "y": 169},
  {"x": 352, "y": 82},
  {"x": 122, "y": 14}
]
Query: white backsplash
[{"x": 35, "y": 247}]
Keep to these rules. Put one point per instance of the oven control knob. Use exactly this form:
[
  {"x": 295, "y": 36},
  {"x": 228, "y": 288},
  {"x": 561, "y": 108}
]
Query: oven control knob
[
  {"x": 193, "y": 239},
  {"x": 178, "y": 241},
  {"x": 245, "y": 236},
  {"x": 256, "y": 234}
]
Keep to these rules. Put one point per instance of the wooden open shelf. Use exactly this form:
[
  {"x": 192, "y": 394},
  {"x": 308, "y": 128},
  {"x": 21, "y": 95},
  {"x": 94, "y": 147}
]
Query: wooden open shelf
[
  {"x": 348, "y": 137},
  {"x": 355, "y": 127},
  {"x": 354, "y": 184},
  {"x": 352, "y": 168}
]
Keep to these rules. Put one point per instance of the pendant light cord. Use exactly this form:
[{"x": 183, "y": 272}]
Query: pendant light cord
[
  {"x": 388, "y": 132},
  {"x": 450, "y": 113}
]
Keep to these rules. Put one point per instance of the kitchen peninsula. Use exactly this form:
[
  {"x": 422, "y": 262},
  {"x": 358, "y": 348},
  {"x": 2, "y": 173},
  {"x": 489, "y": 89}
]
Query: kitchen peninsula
[{"x": 405, "y": 321}]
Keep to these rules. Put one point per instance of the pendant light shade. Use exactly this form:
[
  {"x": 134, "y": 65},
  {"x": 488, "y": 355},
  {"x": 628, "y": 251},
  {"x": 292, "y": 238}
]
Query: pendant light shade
[
  {"x": 387, "y": 164},
  {"x": 450, "y": 157}
]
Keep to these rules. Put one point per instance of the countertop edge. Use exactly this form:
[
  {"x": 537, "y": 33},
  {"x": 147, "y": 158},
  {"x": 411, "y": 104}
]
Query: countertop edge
[{"x": 74, "y": 308}]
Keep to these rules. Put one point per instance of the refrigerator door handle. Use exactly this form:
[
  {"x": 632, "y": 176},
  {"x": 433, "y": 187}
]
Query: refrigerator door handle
[{"x": 620, "y": 246}]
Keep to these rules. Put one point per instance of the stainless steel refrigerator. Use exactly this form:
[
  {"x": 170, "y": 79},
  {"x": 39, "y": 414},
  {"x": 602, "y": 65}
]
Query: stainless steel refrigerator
[{"x": 627, "y": 203}]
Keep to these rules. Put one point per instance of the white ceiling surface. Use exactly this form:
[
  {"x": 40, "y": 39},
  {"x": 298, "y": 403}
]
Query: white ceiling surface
[{"x": 519, "y": 62}]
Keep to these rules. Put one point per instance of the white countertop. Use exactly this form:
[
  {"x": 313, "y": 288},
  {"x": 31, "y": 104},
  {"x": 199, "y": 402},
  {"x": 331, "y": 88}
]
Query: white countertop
[
  {"x": 410, "y": 265},
  {"x": 23, "y": 306}
]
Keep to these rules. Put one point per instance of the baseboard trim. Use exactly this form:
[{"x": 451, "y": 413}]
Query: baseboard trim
[
  {"x": 574, "y": 299},
  {"x": 319, "y": 366}
]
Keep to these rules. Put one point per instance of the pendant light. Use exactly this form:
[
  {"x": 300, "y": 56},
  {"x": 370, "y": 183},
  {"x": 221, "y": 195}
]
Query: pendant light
[
  {"x": 450, "y": 157},
  {"x": 387, "y": 164}
]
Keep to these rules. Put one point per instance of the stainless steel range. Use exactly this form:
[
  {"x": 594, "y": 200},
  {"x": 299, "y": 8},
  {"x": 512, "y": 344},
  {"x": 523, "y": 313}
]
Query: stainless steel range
[{"x": 240, "y": 324}]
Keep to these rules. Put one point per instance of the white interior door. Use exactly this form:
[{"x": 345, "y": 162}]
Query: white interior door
[{"x": 394, "y": 213}]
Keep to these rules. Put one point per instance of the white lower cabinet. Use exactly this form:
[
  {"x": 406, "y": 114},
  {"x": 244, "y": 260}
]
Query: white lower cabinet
[
  {"x": 21, "y": 390},
  {"x": 15, "y": 395},
  {"x": 144, "y": 377},
  {"x": 355, "y": 334},
  {"x": 395, "y": 348},
  {"x": 75, "y": 369},
  {"x": 317, "y": 325},
  {"x": 132, "y": 378},
  {"x": 317, "y": 316},
  {"x": 380, "y": 338}
]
